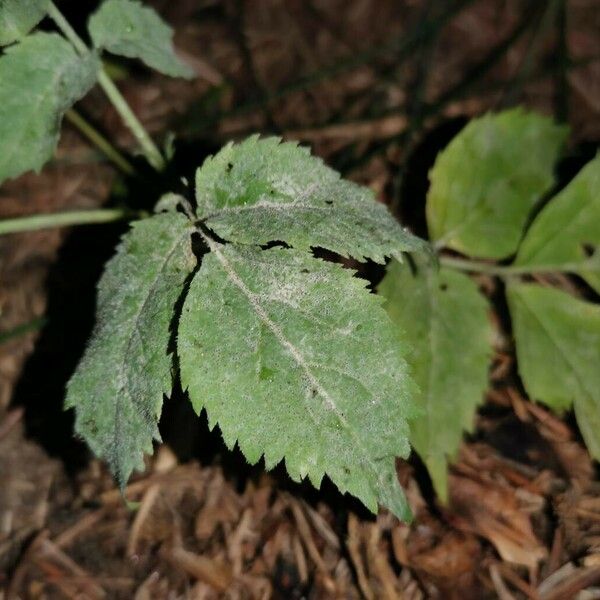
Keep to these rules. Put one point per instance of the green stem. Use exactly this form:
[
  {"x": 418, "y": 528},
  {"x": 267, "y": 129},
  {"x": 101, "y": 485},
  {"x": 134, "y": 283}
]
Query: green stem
[
  {"x": 65, "y": 219},
  {"x": 149, "y": 148},
  {"x": 22, "y": 329},
  {"x": 471, "y": 266},
  {"x": 66, "y": 29},
  {"x": 94, "y": 136}
]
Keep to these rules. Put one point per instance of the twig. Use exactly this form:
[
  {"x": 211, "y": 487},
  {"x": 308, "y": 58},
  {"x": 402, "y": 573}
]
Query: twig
[
  {"x": 353, "y": 544},
  {"x": 524, "y": 70},
  {"x": 142, "y": 514},
  {"x": 561, "y": 110},
  {"x": 68, "y": 536},
  {"x": 402, "y": 47},
  {"x": 200, "y": 567}
]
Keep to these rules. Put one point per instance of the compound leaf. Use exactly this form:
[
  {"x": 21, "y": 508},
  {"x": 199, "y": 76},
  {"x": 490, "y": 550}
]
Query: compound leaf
[
  {"x": 263, "y": 190},
  {"x": 443, "y": 317},
  {"x": 485, "y": 183},
  {"x": 294, "y": 359},
  {"x": 117, "y": 389},
  {"x": 41, "y": 78},
  {"x": 558, "y": 350},
  {"x": 565, "y": 236},
  {"x": 128, "y": 28},
  {"x": 19, "y": 17}
]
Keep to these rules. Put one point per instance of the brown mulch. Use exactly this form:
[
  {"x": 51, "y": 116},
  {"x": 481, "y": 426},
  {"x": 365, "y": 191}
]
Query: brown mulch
[{"x": 523, "y": 520}]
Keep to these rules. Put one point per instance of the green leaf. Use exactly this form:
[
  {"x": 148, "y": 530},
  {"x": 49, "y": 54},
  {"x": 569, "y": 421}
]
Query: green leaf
[
  {"x": 443, "y": 317},
  {"x": 41, "y": 78},
  {"x": 558, "y": 351},
  {"x": 294, "y": 359},
  {"x": 263, "y": 190},
  {"x": 19, "y": 17},
  {"x": 128, "y": 28},
  {"x": 485, "y": 183},
  {"x": 565, "y": 236},
  {"x": 118, "y": 387}
]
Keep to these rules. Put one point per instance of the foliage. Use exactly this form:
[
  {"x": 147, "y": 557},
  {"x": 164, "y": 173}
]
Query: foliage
[
  {"x": 444, "y": 321},
  {"x": 119, "y": 385},
  {"x": 558, "y": 346},
  {"x": 277, "y": 347},
  {"x": 565, "y": 236},
  {"x": 19, "y": 17},
  {"x": 488, "y": 179},
  {"x": 259, "y": 191},
  {"x": 44, "y": 75},
  {"x": 41, "y": 78},
  {"x": 275, "y": 344},
  {"x": 291, "y": 356},
  {"x": 127, "y": 28},
  {"x": 483, "y": 188}
]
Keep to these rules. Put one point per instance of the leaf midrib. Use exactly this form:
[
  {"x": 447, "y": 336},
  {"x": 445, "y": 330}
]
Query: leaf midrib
[{"x": 231, "y": 273}]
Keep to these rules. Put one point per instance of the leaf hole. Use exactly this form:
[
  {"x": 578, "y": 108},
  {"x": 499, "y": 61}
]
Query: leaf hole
[
  {"x": 443, "y": 287},
  {"x": 588, "y": 249}
]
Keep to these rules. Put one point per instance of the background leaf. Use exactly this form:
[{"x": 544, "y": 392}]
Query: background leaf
[
  {"x": 485, "y": 183},
  {"x": 263, "y": 190},
  {"x": 128, "y": 28},
  {"x": 558, "y": 350},
  {"x": 566, "y": 233},
  {"x": 19, "y": 17},
  {"x": 443, "y": 318},
  {"x": 41, "y": 78},
  {"x": 294, "y": 358},
  {"x": 118, "y": 386}
]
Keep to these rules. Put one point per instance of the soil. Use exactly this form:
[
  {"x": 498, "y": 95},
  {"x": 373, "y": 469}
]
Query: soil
[{"x": 377, "y": 89}]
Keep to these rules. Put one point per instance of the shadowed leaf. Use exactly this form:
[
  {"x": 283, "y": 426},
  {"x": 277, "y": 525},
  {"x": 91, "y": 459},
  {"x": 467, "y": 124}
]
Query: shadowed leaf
[
  {"x": 558, "y": 351},
  {"x": 118, "y": 386},
  {"x": 443, "y": 318}
]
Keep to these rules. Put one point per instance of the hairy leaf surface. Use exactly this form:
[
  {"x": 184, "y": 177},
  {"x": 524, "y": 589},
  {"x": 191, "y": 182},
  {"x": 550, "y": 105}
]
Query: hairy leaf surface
[
  {"x": 263, "y": 190},
  {"x": 485, "y": 183},
  {"x": 558, "y": 351},
  {"x": 19, "y": 17},
  {"x": 566, "y": 233},
  {"x": 41, "y": 77},
  {"x": 118, "y": 387},
  {"x": 128, "y": 28},
  {"x": 294, "y": 359},
  {"x": 443, "y": 318}
]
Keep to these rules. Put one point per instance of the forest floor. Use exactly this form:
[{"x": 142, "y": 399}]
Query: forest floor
[{"x": 377, "y": 88}]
